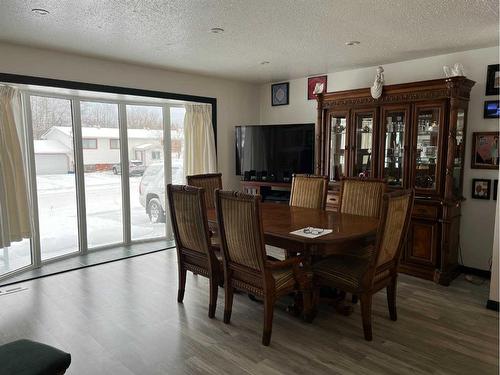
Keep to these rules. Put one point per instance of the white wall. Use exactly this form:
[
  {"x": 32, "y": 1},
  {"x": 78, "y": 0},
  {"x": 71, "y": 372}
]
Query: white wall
[
  {"x": 494, "y": 293},
  {"x": 477, "y": 216},
  {"x": 237, "y": 102}
]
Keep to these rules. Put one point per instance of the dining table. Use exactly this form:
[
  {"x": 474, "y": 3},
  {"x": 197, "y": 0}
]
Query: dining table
[{"x": 349, "y": 233}]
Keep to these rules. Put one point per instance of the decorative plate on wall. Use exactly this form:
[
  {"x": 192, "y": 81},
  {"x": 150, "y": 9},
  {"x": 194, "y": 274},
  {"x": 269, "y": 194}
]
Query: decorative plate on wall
[{"x": 280, "y": 93}]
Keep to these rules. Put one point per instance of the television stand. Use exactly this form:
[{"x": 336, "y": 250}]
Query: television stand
[{"x": 276, "y": 192}]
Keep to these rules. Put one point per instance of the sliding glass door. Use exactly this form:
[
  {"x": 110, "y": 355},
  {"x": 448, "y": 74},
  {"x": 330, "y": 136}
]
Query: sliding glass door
[
  {"x": 147, "y": 179},
  {"x": 52, "y": 126},
  {"x": 102, "y": 170},
  {"x": 98, "y": 171}
]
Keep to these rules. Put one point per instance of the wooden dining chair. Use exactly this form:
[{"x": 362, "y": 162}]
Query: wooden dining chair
[
  {"x": 364, "y": 276},
  {"x": 195, "y": 251},
  {"x": 309, "y": 191},
  {"x": 246, "y": 267},
  {"x": 361, "y": 196},
  {"x": 210, "y": 182}
]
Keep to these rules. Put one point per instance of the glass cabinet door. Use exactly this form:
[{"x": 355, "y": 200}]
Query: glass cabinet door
[
  {"x": 428, "y": 123},
  {"x": 338, "y": 137},
  {"x": 394, "y": 127},
  {"x": 459, "y": 152},
  {"x": 363, "y": 139}
]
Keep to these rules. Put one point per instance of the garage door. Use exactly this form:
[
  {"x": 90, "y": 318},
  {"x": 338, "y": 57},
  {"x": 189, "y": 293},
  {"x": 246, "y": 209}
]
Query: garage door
[{"x": 51, "y": 164}]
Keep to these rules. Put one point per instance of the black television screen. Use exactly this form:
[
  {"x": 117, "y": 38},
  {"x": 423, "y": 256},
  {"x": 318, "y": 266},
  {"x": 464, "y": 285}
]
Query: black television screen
[{"x": 279, "y": 150}]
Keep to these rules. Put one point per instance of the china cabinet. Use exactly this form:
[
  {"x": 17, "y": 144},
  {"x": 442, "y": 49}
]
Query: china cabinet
[{"x": 412, "y": 136}]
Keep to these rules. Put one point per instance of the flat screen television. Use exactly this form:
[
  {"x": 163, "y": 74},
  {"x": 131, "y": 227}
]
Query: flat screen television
[{"x": 277, "y": 150}]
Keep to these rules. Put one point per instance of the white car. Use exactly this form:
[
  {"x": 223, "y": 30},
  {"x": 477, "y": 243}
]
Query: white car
[{"x": 152, "y": 193}]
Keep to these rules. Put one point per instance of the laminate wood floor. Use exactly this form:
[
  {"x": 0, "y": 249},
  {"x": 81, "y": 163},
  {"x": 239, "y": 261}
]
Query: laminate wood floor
[{"x": 123, "y": 318}]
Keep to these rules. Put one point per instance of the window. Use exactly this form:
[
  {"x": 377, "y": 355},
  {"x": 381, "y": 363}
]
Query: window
[
  {"x": 86, "y": 200},
  {"x": 89, "y": 143},
  {"x": 114, "y": 144}
]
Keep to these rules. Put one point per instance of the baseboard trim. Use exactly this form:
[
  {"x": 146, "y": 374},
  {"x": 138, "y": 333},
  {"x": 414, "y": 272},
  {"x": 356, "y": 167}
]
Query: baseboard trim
[
  {"x": 476, "y": 272},
  {"x": 492, "y": 305}
]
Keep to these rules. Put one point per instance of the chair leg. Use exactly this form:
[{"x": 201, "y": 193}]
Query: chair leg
[
  {"x": 182, "y": 284},
  {"x": 228, "y": 301},
  {"x": 268, "y": 320},
  {"x": 214, "y": 290},
  {"x": 391, "y": 298},
  {"x": 366, "y": 314}
]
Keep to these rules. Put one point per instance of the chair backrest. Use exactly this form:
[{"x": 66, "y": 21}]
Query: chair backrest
[
  {"x": 210, "y": 182},
  {"x": 394, "y": 222},
  {"x": 240, "y": 227},
  {"x": 361, "y": 196},
  {"x": 309, "y": 191},
  {"x": 189, "y": 218}
]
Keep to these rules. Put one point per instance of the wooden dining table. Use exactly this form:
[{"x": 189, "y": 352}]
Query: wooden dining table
[
  {"x": 350, "y": 234},
  {"x": 279, "y": 220}
]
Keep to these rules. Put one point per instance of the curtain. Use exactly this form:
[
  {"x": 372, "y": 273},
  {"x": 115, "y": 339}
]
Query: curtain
[
  {"x": 199, "y": 140},
  {"x": 14, "y": 202}
]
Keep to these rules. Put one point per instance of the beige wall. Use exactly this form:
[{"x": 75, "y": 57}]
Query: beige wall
[
  {"x": 477, "y": 216},
  {"x": 237, "y": 102}
]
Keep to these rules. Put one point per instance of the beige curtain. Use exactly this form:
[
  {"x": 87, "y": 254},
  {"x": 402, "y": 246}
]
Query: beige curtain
[
  {"x": 199, "y": 140},
  {"x": 14, "y": 203}
]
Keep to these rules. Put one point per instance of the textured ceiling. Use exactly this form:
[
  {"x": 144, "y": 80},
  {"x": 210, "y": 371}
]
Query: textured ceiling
[{"x": 298, "y": 38}]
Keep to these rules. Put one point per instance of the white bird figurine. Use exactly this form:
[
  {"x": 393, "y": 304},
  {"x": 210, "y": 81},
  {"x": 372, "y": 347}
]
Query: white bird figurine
[{"x": 378, "y": 84}]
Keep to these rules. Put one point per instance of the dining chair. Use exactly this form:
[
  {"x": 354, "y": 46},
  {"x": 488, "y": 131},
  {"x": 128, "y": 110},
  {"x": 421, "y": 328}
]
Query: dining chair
[
  {"x": 195, "y": 251},
  {"x": 210, "y": 182},
  {"x": 246, "y": 267},
  {"x": 364, "y": 276},
  {"x": 309, "y": 191},
  {"x": 361, "y": 196}
]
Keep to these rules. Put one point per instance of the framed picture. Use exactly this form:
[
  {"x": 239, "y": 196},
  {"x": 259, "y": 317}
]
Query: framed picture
[
  {"x": 311, "y": 84},
  {"x": 492, "y": 109},
  {"x": 493, "y": 80},
  {"x": 495, "y": 189},
  {"x": 485, "y": 150},
  {"x": 480, "y": 188},
  {"x": 280, "y": 93}
]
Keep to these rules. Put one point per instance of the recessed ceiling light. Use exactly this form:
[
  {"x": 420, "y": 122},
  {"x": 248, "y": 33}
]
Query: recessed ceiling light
[
  {"x": 352, "y": 43},
  {"x": 40, "y": 11},
  {"x": 217, "y": 30},
  {"x": 264, "y": 63}
]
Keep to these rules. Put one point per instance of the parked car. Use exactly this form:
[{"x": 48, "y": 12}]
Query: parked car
[
  {"x": 152, "y": 193},
  {"x": 135, "y": 168}
]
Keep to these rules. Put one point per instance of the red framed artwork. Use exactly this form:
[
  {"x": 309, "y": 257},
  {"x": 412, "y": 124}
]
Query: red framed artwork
[{"x": 311, "y": 84}]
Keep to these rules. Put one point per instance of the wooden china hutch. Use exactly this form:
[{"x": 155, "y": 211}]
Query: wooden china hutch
[{"x": 412, "y": 136}]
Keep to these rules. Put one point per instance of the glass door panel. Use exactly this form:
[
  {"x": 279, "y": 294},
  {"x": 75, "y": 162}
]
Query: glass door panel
[
  {"x": 101, "y": 158},
  {"x": 394, "y": 147},
  {"x": 363, "y": 145},
  {"x": 338, "y": 138},
  {"x": 15, "y": 256},
  {"x": 427, "y": 144},
  {"x": 146, "y": 170},
  {"x": 55, "y": 175},
  {"x": 459, "y": 152},
  {"x": 177, "y": 144}
]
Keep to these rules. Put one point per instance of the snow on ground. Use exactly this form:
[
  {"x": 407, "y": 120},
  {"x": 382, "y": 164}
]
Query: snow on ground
[{"x": 58, "y": 215}]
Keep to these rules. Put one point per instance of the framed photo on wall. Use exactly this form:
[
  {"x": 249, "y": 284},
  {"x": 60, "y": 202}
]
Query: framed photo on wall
[
  {"x": 311, "y": 85},
  {"x": 495, "y": 189},
  {"x": 493, "y": 80},
  {"x": 485, "y": 153},
  {"x": 481, "y": 188},
  {"x": 492, "y": 109},
  {"x": 280, "y": 94}
]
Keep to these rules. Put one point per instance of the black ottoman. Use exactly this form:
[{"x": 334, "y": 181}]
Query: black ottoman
[{"x": 25, "y": 357}]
